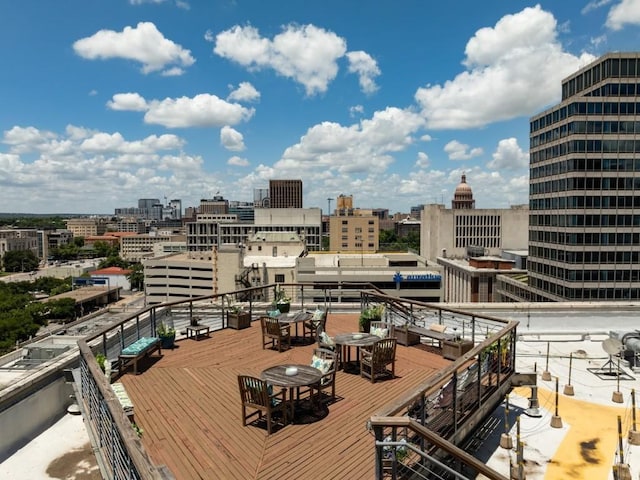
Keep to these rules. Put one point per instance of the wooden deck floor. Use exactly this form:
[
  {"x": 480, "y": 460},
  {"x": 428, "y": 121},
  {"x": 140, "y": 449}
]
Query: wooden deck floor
[{"x": 188, "y": 405}]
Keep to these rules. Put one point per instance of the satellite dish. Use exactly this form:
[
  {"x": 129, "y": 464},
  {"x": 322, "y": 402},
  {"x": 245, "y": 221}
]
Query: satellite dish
[{"x": 612, "y": 346}]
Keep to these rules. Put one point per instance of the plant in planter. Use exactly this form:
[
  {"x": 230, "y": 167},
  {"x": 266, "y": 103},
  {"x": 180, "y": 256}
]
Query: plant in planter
[
  {"x": 166, "y": 334},
  {"x": 238, "y": 318},
  {"x": 101, "y": 359},
  {"x": 372, "y": 313},
  {"x": 405, "y": 337},
  {"x": 455, "y": 347},
  {"x": 280, "y": 300}
]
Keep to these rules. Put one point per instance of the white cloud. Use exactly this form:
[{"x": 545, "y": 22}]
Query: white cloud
[
  {"x": 356, "y": 110},
  {"x": 357, "y": 148},
  {"x": 367, "y": 69},
  {"x": 306, "y": 54},
  {"x": 238, "y": 161},
  {"x": 426, "y": 137},
  {"x": 625, "y": 12},
  {"x": 423, "y": 160},
  {"x": 100, "y": 168},
  {"x": 143, "y": 43},
  {"x": 513, "y": 69},
  {"x": 509, "y": 155},
  {"x": 179, "y": 3},
  {"x": 209, "y": 36},
  {"x": 244, "y": 93},
  {"x": 128, "y": 101},
  {"x": 461, "y": 151},
  {"x": 231, "y": 139},
  {"x": 594, "y": 5}
]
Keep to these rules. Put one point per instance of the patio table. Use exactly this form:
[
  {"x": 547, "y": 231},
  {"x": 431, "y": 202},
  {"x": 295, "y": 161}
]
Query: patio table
[
  {"x": 305, "y": 376},
  {"x": 295, "y": 318},
  {"x": 355, "y": 339}
]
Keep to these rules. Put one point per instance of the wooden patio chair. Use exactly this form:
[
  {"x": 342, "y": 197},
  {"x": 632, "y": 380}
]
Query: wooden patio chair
[
  {"x": 319, "y": 319},
  {"x": 326, "y": 342},
  {"x": 326, "y": 361},
  {"x": 382, "y": 329},
  {"x": 374, "y": 363},
  {"x": 255, "y": 394},
  {"x": 274, "y": 332}
]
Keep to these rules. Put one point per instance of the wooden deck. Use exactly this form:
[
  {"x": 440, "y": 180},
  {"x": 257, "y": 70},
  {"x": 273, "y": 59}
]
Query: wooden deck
[{"x": 188, "y": 405}]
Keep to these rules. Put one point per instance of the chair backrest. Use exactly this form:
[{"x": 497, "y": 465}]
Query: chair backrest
[
  {"x": 321, "y": 336},
  {"x": 382, "y": 329},
  {"x": 384, "y": 350},
  {"x": 253, "y": 390},
  {"x": 272, "y": 326},
  {"x": 324, "y": 360}
]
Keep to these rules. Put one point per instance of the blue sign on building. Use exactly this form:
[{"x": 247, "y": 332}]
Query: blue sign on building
[{"x": 425, "y": 277}]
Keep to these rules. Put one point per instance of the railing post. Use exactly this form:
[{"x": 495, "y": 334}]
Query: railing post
[{"x": 379, "y": 466}]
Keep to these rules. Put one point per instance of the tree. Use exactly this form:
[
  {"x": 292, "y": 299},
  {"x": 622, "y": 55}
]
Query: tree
[
  {"x": 136, "y": 277},
  {"x": 20, "y": 261}
]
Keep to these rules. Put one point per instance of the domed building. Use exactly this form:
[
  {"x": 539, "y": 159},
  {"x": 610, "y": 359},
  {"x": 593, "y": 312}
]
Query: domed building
[{"x": 463, "y": 196}]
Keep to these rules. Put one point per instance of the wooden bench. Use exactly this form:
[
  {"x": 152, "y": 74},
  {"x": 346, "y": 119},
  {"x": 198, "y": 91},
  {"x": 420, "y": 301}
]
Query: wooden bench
[
  {"x": 435, "y": 331},
  {"x": 139, "y": 349}
]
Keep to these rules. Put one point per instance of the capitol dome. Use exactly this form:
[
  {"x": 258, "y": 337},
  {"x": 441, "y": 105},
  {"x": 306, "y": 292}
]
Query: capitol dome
[{"x": 463, "y": 196}]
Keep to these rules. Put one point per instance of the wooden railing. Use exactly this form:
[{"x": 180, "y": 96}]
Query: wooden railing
[{"x": 450, "y": 405}]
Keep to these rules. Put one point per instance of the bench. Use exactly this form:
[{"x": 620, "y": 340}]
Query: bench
[
  {"x": 123, "y": 398},
  {"x": 139, "y": 349},
  {"x": 435, "y": 331}
]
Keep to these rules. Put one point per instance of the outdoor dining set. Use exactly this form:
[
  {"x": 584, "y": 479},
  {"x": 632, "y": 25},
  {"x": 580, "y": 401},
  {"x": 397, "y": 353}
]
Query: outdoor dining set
[{"x": 295, "y": 391}]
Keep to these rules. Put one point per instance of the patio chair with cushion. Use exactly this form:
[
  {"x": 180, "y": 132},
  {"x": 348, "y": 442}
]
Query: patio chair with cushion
[
  {"x": 318, "y": 319},
  {"x": 275, "y": 333},
  {"x": 256, "y": 394},
  {"x": 326, "y": 342},
  {"x": 382, "y": 329},
  {"x": 326, "y": 361},
  {"x": 374, "y": 363}
]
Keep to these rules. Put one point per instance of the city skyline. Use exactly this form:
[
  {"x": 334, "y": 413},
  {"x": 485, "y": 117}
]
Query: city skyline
[{"x": 104, "y": 103}]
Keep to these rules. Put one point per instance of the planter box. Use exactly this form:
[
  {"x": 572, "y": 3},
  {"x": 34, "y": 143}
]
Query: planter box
[
  {"x": 453, "y": 349},
  {"x": 238, "y": 321},
  {"x": 283, "y": 307},
  {"x": 407, "y": 338}
]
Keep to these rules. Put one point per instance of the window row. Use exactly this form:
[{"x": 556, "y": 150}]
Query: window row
[
  {"x": 594, "y": 127},
  {"x": 586, "y": 165},
  {"x": 585, "y": 201},
  {"x": 585, "y": 146},
  {"x": 585, "y": 293},
  {"x": 584, "y": 220},
  {"x": 584, "y": 238},
  {"x": 473, "y": 220},
  {"x": 481, "y": 241},
  {"x": 581, "y": 183},
  {"x": 583, "y": 108},
  {"x": 584, "y": 257},
  {"x": 585, "y": 275},
  {"x": 608, "y": 68}
]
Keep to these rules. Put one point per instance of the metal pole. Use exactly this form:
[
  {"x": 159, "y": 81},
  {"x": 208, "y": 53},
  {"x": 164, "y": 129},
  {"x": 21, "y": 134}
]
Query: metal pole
[
  {"x": 620, "y": 449},
  {"x": 633, "y": 409},
  {"x": 570, "y": 365}
]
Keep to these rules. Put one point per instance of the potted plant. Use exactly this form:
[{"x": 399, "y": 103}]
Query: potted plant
[
  {"x": 372, "y": 313},
  {"x": 238, "y": 318},
  {"x": 101, "y": 359},
  {"x": 406, "y": 337},
  {"x": 455, "y": 347},
  {"x": 166, "y": 334},
  {"x": 280, "y": 300}
]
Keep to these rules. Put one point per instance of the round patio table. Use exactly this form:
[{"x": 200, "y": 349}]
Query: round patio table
[
  {"x": 305, "y": 377},
  {"x": 355, "y": 339}
]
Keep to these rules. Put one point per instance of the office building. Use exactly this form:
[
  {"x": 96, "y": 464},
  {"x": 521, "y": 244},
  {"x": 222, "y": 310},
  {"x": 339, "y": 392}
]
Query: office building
[
  {"x": 285, "y": 193},
  {"x": 584, "y": 184}
]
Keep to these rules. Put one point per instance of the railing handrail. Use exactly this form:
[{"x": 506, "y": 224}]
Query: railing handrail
[{"x": 379, "y": 422}]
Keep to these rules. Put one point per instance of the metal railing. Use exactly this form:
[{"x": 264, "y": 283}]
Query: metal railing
[{"x": 430, "y": 422}]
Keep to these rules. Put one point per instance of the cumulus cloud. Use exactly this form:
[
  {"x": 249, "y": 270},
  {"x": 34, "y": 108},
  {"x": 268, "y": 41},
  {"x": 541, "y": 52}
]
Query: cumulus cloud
[
  {"x": 627, "y": 12},
  {"x": 357, "y": 148},
  {"x": 143, "y": 43},
  {"x": 356, "y": 110},
  {"x": 423, "y": 160},
  {"x": 461, "y": 151},
  {"x": 509, "y": 155},
  {"x": 231, "y": 139},
  {"x": 594, "y": 5},
  {"x": 244, "y": 93},
  {"x": 101, "y": 168},
  {"x": 366, "y": 68},
  {"x": 513, "y": 69},
  {"x": 307, "y": 54},
  {"x": 203, "y": 110},
  {"x": 238, "y": 161},
  {"x": 128, "y": 101}
]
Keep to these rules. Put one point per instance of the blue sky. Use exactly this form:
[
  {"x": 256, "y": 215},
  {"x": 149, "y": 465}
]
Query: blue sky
[{"x": 103, "y": 102}]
